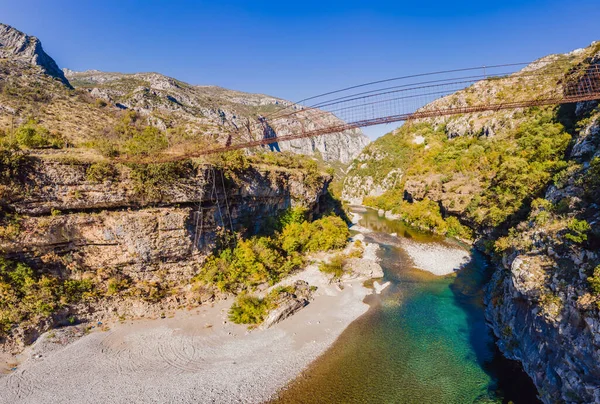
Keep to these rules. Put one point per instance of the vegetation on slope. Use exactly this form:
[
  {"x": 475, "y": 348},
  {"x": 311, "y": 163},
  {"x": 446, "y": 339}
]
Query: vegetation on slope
[
  {"x": 27, "y": 296},
  {"x": 247, "y": 263},
  {"x": 510, "y": 169}
]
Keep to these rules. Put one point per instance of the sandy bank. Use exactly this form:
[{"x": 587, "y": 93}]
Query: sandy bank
[
  {"x": 437, "y": 258},
  {"x": 194, "y": 357}
]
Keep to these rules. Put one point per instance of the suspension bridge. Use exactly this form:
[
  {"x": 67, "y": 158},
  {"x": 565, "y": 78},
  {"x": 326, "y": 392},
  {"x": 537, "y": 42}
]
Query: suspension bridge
[{"x": 409, "y": 98}]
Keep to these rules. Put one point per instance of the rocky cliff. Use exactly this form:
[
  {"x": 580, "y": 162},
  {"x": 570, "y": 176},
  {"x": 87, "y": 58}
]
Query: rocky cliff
[
  {"x": 139, "y": 241},
  {"x": 544, "y": 301}
]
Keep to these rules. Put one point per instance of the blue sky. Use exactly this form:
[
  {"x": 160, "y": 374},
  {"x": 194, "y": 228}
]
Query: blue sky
[{"x": 297, "y": 49}]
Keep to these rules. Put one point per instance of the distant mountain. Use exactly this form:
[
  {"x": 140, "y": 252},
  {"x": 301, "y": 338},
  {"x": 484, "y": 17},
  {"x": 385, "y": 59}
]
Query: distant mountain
[
  {"x": 212, "y": 110},
  {"x": 203, "y": 114}
]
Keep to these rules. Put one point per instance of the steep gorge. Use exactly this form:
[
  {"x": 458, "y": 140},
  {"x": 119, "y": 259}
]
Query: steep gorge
[{"x": 523, "y": 186}]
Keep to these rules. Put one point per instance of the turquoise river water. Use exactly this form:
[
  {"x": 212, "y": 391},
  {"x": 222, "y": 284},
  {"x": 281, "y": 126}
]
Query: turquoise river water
[{"x": 424, "y": 339}]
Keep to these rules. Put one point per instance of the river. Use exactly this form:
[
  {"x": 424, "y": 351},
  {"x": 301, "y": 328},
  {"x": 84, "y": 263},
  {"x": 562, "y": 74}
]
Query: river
[{"x": 424, "y": 339}]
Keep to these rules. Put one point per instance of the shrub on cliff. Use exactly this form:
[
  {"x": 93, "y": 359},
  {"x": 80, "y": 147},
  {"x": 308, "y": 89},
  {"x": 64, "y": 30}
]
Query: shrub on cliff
[
  {"x": 591, "y": 180},
  {"x": 151, "y": 181},
  {"x": 148, "y": 141},
  {"x": 594, "y": 281},
  {"x": 577, "y": 231},
  {"x": 26, "y": 295},
  {"x": 100, "y": 172}
]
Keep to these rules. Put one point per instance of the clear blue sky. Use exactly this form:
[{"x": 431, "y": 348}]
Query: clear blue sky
[{"x": 295, "y": 49}]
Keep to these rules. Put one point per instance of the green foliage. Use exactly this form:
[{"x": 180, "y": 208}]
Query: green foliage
[
  {"x": 230, "y": 162},
  {"x": 10, "y": 226},
  {"x": 100, "y": 172},
  {"x": 297, "y": 214},
  {"x": 455, "y": 229},
  {"x": 25, "y": 295},
  {"x": 541, "y": 211},
  {"x": 266, "y": 259},
  {"x": 334, "y": 267},
  {"x": 252, "y": 310},
  {"x": 325, "y": 234},
  {"x": 116, "y": 285},
  {"x": 34, "y": 136},
  {"x": 105, "y": 147},
  {"x": 592, "y": 179},
  {"x": 12, "y": 164},
  {"x": 74, "y": 290},
  {"x": 512, "y": 168},
  {"x": 152, "y": 180},
  {"x": 148, "y": 141},
  {"x": 594, "y": 281},
  {"x": 577, "y": 231},
  {"x": 248, "y": 310}
]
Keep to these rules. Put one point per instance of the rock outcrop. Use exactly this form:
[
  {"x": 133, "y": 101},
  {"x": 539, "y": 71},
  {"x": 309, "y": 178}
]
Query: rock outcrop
[
  {"x": 289, "y": 303},
  {"x": 16, "y": 45}
]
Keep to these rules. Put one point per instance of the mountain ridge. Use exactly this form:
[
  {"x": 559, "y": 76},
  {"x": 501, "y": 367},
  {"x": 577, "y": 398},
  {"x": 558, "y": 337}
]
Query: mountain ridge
[
  {"x": 16, "y": 44},
  {"x": 202, "y": 114}
]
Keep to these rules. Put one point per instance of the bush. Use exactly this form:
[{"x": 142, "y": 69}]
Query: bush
[
  {"x": 267, "y": 259},
  {"x": 152, "y": 180},
  {"x": 250, "y": 263},
  {"x": 230, "y": 162},
  {"x": 150, "y": 140},
  {"x": 100, "y": 172},
  {"x": 594, "y": 281},
  {"x": 115, "y": 285},
  {"x": 334, "y": 267},
  {"x": 75, "y": 290},
  {"x": 12, "y": 164},
  {"x": 10, "y": 226},
  {"x": 592, "y": 178},
  {"x": 325, "y": 234},
  {"x": 33, "y": 136},
  {"x": 248, "y": 310},
  {"x": 25, "y": 295},
  {"x": 456, "y": 229},
  {"x": 577, "y": 231}
]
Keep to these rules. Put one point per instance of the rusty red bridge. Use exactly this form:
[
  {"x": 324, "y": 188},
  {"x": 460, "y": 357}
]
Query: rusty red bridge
[{"x": 490, "y": 88}]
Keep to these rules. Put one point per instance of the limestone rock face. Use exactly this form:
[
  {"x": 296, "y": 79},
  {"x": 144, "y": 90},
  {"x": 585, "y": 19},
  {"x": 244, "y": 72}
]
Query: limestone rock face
[
  {"x": 17, "y": 45},
  {"x": 73, "y": 228},
  {"x": 540, "y": 303},
  {"x": 216, "y": 111}
]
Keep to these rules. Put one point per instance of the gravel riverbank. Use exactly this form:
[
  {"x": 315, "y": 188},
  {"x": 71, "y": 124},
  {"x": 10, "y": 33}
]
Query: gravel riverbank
[{"x": 193, "y": 357}]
